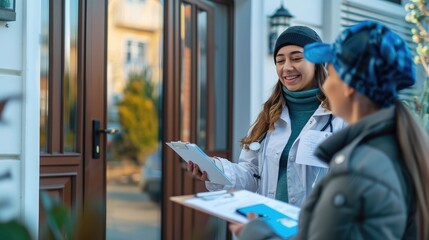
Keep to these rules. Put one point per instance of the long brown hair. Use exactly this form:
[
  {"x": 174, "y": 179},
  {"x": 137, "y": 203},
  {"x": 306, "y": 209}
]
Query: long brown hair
[
  {"x": 414, "y": 143},
  {"x": 273, "y": 108}
]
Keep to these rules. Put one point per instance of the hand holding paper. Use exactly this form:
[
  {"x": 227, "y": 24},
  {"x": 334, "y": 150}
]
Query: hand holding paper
[
  {"x": 191, "y": 152},
  {"x": 196, "y": 172}
]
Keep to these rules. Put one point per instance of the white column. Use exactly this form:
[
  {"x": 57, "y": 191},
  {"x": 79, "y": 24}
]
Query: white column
[{"x": 31, "y": 105}]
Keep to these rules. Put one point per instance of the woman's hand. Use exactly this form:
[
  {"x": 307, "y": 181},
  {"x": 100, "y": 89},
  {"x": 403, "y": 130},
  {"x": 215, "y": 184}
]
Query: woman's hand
[
  {"x": 236, "y": 228},
  {"x": 195, "y": 170}
]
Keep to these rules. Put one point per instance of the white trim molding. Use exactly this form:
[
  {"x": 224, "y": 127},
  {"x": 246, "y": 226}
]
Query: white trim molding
[{"x": 31, "y": 104}]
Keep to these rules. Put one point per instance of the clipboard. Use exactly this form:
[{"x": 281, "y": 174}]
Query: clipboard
[
  {"x": 224, "y": 204},
  {"x": 191, "y": 152}
]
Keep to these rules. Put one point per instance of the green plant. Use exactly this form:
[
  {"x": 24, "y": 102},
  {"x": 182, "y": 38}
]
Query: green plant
[
  {"x": 14, "y": 230},
  {"x": 417, "y": 14},
  {"x": 138, "y": 118},
  {"x": 61, "y": 222}
]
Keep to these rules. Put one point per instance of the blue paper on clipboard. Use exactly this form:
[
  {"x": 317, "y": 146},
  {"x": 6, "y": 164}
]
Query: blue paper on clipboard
[
  {"x": 283, "y": 225},
  {"x": 191, "y": 152}
]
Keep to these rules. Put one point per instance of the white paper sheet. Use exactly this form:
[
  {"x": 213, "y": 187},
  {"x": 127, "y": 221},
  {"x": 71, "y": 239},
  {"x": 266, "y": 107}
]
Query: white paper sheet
[
  {"x": 225, "y": 205},
  {"x": 191, "y": 152},
  {"x": 308, "y": 144}
]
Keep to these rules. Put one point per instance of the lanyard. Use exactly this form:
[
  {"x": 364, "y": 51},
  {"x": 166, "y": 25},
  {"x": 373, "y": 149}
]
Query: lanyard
[{"x": 329, "y": 123}]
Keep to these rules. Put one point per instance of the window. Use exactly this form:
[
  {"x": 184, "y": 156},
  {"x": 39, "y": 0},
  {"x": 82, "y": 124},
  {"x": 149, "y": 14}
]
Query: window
[
  {"x": 205, "y": 68},
  {"x": 136, "y": 56}
]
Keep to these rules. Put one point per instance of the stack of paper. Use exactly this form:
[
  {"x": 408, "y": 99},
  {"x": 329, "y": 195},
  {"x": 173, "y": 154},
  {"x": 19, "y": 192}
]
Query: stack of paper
[{"x": 281, "y": 216}]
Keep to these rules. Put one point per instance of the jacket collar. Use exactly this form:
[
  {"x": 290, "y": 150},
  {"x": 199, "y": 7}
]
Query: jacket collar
[{"x": 350, "y": 136}]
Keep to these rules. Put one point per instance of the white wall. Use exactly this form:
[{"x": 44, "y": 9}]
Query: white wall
[
  {"x": 243, "y": 79},
  {"x": 19, "y": 130},
  {"x": 10, "y": 125}
]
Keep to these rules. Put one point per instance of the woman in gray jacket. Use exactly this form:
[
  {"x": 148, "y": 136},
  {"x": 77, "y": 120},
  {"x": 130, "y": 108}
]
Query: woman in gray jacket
[{"x": 377, "y": 186}]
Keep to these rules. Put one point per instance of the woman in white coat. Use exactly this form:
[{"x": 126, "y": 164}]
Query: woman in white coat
[{"x": 277, "y": 158}]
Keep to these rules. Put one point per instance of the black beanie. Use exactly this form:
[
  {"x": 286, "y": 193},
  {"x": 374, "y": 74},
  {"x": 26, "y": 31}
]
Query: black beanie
[{"x": 296, "y": 35}]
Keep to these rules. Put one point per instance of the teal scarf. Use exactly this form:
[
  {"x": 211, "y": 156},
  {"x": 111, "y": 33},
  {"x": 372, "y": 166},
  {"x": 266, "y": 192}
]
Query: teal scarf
[{"x": 301, "y": 107}]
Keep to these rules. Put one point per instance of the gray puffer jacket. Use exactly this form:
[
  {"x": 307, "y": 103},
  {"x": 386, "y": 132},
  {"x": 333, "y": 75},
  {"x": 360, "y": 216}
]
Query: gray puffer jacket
[{"x": 367, "y": 193}]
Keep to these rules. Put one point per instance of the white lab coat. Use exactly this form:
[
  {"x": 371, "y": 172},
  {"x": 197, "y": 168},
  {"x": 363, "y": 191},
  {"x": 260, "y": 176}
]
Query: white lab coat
[{"x": 301, "y": 178}]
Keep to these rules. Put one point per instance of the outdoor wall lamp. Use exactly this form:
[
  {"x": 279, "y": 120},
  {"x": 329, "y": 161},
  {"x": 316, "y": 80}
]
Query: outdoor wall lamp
[
  {"x": 7, "y": 10},
  {"x": 279, "y": 21}
]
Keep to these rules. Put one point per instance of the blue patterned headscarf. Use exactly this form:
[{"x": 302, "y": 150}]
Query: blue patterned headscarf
[{"x": 370, "y": 58}]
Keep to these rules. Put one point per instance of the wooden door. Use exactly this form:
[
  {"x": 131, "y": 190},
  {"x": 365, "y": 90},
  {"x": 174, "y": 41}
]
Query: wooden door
[
  {"x": 198, "y": 67},
  {"x": 72, "y": 96}
]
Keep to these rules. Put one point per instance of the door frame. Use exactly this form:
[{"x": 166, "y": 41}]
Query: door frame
[
  {"x": 31, "y": 112},
  {"x": 80, "y": 180},
  {"x": 177, "y": 221},
  {"x": 95, "y": 89}
]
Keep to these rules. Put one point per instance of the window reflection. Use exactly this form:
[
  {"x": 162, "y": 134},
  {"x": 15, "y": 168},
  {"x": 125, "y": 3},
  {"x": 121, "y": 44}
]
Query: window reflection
[
  {"x": 44, "y": 78},
  {"x": 186, "y": 90},
  {"x": 206, "y": 76},
  {"x": 202, "y": 80},
  {"x": 221, "y": 71},
  {"x": 70, "y": 94},
  {"x": 136, "y": 56}
]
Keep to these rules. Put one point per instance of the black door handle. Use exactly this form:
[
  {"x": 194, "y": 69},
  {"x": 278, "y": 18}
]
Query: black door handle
[
  {"x": 96, "y": 132},
  {"x": 108, "y": 131}
]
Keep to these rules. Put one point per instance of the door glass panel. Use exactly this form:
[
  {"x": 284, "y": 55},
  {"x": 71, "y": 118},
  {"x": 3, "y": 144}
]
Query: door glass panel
[
  {"x": 70, "y": 104},
  {"x": 221, "y": 76},
  {"x": 202, "y": 79},
  {"x": 134, "y": 79},
  {"x": 44, "y": 78},
  {"x": 195, "y": 93},
  {"x": 185, "y": 88}
]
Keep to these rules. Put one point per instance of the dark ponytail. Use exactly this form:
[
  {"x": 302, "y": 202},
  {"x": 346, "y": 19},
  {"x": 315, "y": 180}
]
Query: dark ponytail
[{"x": 414, "y": 144}]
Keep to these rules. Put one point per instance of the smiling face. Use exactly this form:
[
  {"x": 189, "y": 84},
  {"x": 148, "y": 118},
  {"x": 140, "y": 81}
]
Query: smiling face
[{"x": 293, "y": 70}]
